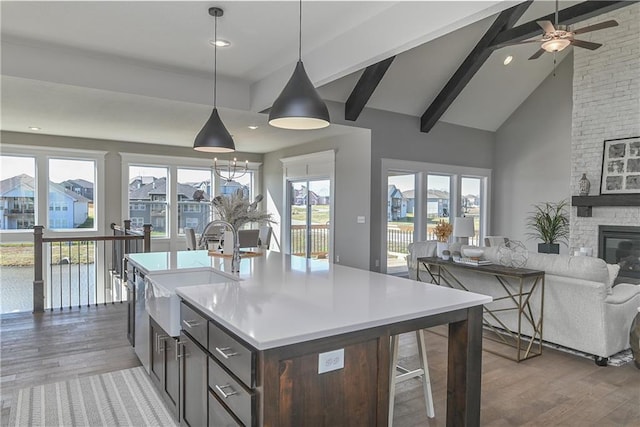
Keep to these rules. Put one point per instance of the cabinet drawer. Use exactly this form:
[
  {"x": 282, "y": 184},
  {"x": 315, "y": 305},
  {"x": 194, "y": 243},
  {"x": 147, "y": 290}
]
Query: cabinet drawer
[
  {"x": 235, "y": 356},
  {"x": 218, "y": 415},
  {"x": 194, "y": 324},
  {"x": 232, "y": 393}
]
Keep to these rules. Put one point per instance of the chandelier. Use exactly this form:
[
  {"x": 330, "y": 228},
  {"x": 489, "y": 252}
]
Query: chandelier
[{"x": 232, "y": 171}]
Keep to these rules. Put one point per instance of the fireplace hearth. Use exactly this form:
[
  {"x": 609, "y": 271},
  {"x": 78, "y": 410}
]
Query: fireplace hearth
[{"x": 620, "y": 245}]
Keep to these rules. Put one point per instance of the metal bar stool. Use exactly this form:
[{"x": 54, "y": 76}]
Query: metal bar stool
[{"x": 406, "y": 374}]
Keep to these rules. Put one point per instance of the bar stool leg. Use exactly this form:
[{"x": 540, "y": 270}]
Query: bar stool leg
[
  {"x": 407, "y": 375},
  {"x": 426, "y": 379}
]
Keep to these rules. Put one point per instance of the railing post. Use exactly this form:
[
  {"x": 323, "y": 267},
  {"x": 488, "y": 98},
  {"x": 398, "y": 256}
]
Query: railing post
[
  {"x": 147, "y": 237},
  {"x": 127, "y": 244},
  {"x": 38, "y": 282}
]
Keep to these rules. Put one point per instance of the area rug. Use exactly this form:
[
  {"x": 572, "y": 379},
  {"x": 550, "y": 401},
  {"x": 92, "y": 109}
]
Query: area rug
[{"x": 121, "y": 398}]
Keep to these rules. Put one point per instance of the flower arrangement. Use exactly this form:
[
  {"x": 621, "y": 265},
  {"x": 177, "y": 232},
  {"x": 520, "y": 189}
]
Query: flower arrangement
[
  {"x": 238, "y": 210},
  {"x": 443, "y": 230}
]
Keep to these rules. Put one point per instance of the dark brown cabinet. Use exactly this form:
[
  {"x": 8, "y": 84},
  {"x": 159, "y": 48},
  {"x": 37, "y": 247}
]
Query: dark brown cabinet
[
  {"x": 193, "y": 384},
  {"x": 164, "y": 368}
]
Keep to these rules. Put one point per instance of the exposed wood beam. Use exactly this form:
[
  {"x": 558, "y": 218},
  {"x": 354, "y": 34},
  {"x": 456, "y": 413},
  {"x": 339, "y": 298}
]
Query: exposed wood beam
[
  {"x": 470, "y": 66},
  {"x": 568, "y": 16},
  {"x": 365, "y": 87}
]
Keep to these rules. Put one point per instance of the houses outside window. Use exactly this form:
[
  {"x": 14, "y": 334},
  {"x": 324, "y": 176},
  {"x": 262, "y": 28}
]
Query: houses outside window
[
  {"x": 70, "y": 182},
  {"x": 137, "y": 222},
  {"x": 148, "y": 188},
  {"x": 18, "y": 193}
]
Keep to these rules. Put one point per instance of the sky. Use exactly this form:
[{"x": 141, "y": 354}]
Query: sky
[
  {"x": 59, "y": 169},
  {"x": 436, "y": 182}
]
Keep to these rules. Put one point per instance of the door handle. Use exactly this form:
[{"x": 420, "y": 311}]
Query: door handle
[
  {"x": 224, "y": 394},
  {"x": 190, "y": 323},
  {"x": 223, "y": 351}
]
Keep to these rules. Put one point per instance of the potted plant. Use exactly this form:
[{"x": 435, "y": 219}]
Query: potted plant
[
  {"x": 442, "y": 231},
  {"x": 549, "y": 222}
]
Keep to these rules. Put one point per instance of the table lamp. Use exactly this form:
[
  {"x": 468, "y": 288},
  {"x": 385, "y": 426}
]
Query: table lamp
[{"x": 463, "y": 229}]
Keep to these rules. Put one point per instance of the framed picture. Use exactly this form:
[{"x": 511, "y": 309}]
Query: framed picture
[{"x": 621, "y": 166}]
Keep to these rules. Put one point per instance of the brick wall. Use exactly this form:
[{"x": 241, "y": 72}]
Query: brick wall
[{"x": 606, "y": 105}]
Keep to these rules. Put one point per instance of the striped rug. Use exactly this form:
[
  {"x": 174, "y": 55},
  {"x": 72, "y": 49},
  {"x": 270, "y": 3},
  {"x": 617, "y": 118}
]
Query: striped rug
[{"x": 121, "y": 398}]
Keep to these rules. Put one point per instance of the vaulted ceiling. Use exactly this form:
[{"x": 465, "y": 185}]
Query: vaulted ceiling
[{"x": 142, "y": 71}]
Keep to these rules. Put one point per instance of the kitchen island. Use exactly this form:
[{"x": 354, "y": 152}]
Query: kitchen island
[{"x": 301, "y": 342}]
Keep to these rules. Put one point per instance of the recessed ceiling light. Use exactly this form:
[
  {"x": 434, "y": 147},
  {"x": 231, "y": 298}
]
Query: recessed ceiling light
[
  {"x": 220, "y": 43},
  {"x": 34, "y": 128},
  {"x": 508, "y": 60},
  {"x": 253, "y": 127}
]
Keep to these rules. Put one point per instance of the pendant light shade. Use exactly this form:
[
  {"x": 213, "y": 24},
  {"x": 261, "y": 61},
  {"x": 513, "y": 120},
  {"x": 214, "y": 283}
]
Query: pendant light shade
[
  {"x": 214, "y": 136},
  {"x": 299, "y": 106}
]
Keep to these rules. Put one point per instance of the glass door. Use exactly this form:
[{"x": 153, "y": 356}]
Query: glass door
[
  {"x": 438, "y": 202},
  {"x": 309, "y": 214},
  {"x": 401, "y": 197}
]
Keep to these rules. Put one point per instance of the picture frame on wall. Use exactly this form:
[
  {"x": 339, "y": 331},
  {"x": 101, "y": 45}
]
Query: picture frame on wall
[{"x": 621, "y": 166}]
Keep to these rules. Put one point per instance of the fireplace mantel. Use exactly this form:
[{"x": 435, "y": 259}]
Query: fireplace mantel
[{"x": 586, "y": 203}]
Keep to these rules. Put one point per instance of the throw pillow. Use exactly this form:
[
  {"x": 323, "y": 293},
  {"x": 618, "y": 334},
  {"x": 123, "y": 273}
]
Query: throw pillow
[{"x": 614, "y": 269}]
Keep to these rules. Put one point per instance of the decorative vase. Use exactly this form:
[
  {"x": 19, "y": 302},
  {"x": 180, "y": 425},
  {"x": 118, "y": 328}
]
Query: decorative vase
[
  {"x": 634, "y": 339},
  {"x": 584, "y": 185},
  {"x": 441, "y": 247},
  {"x": 548, "y": 248}
]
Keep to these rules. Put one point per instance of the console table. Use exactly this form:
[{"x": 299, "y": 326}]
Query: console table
[{"x": 517, "y": 288}]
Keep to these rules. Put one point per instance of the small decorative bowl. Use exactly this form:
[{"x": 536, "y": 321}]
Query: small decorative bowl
[{"x": 473, "y": 252}]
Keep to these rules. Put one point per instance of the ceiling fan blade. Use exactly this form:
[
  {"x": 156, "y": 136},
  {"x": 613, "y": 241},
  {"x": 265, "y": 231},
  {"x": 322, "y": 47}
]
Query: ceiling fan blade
[
  {"x": 537, "y": 54},
  {"x": 547, "y": 26},
  {"x": 586, "y": 45},
  {"x": 596, "y": 27}
]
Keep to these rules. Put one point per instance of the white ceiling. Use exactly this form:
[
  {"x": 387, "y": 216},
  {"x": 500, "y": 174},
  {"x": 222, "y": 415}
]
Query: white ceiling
[{"x": 141, "y": 71}]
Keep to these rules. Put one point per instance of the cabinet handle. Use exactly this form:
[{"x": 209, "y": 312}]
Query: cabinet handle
[
  {"x": 161, "y": 341},
  {"x": 178, "y": 355},
  {"x": 226, "y": 355},
  {"x": 190, "y": 323},
  {"x": 226, "y": 395}
]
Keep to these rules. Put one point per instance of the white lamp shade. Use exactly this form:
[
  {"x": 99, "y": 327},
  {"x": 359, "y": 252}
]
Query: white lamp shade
[{"x": 463, "y": 227}]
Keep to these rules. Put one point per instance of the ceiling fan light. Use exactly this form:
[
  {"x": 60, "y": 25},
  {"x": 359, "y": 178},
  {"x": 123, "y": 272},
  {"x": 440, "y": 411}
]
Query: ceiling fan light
[
  {"x": 299, "y": 106},
  {"x": 214, "y": 136},
  {"x": 555, "y": 45}
]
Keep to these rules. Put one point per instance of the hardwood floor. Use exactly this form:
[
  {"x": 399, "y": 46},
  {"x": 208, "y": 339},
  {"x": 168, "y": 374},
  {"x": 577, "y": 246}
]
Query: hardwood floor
[{"x": 554, "y": 389}]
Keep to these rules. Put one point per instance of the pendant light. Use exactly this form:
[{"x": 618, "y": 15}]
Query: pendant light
[
  {"x": 214, "y": 137},
  {"x": 299, "y": 106}
]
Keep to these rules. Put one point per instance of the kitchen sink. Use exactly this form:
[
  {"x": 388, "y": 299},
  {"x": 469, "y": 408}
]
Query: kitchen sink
[{"x": 162, "y": 303}]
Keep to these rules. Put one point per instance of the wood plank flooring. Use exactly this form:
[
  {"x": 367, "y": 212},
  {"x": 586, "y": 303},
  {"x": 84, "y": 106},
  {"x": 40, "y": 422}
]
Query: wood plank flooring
[{"x": 556, "y": 389}]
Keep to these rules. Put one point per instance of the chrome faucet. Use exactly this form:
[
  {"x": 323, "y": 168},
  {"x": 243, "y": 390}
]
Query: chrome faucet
[{"x": 235, "y": 259}]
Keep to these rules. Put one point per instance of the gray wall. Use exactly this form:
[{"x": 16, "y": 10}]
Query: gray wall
[
  {"x": 113, "y": 161},
  {"x": 398, "y": 136},
  {"x": 352, "y": 192},
  {"x": 532, "y": 162}
]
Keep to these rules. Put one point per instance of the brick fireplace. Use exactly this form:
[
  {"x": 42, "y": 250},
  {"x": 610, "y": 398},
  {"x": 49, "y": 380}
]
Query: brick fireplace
[{"x": 606, "y": 105}]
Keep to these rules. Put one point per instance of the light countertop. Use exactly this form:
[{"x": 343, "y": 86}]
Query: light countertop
[{"x": 281, "y": 299}]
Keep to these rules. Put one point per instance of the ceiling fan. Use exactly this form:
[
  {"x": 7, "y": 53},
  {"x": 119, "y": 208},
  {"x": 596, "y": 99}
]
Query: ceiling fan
[{"x": 557, "y": 37}]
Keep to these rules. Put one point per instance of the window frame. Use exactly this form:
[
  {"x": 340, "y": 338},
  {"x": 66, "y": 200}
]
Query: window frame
[
  {"x": 422, "y": 170},
  {"x": 173, "y": 240},
  {"x": 42, "y": 155}
]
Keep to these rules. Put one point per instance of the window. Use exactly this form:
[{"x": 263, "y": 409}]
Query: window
[
  {"x": 17, "y": 192},
  {"x": 137, "y": 222},
  {"x": 70, "y": 209},
  {"x": 194, "y": 193},
  {"x": 148, "y": 187},
  {"x": 441, "y": 193}
]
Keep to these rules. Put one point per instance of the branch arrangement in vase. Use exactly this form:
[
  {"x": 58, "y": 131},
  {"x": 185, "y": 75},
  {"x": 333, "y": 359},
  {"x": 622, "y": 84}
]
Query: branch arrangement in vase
[{"x": 238, "y": 210}]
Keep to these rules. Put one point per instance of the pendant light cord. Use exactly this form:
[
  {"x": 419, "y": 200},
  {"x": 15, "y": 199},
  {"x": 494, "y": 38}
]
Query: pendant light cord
[
  {"x": 300, "y": 34},
  {"x": 556, "y": 14},
  {"x": 215, "y": 58}
]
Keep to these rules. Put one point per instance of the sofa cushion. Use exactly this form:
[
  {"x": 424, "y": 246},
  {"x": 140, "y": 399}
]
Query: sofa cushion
[
  {"x": 579, "y": 267},
  {"x": 613, "y": 269}
]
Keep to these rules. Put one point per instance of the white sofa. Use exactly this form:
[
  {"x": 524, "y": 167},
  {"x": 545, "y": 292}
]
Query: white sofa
[{"x": 582, "y": 310}]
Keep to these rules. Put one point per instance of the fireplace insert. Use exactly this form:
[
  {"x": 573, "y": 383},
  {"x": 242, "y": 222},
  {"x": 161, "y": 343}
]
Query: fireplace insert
[{"x": 621, "y": 245}]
